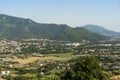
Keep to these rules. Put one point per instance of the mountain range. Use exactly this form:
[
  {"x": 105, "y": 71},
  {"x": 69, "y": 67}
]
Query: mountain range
[
  {"x": 101, "y": 30},
  {"x": 21, "y": 28}
]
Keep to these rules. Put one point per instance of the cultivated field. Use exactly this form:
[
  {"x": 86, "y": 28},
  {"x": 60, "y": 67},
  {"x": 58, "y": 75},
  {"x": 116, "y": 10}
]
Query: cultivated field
[
  {"x": 47, "y": 57},
  {"x": 117, "y": 77}
]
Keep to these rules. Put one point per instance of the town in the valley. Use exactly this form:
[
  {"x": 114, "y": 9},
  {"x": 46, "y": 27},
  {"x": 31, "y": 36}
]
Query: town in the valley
[{"x": 43, "y": 56}]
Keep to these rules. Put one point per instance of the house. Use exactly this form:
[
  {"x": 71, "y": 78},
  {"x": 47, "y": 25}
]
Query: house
[
  {"x": 5, "y": 72},
  {"x": 2, "y": 59},
  {"x": 10, "y": 65}
]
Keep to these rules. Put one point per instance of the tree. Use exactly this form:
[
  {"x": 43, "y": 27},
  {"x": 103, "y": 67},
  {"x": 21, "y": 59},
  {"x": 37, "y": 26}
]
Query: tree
[{"x": 86, "y": 68}]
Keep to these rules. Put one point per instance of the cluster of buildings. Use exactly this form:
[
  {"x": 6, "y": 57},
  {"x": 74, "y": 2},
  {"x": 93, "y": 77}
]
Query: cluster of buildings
[
  {"x": 7, "y": 46},
  {"x": 37, "y": 45}
]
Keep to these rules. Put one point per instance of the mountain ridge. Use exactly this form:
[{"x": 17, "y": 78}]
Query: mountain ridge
[{"x": 19, "y": 28}]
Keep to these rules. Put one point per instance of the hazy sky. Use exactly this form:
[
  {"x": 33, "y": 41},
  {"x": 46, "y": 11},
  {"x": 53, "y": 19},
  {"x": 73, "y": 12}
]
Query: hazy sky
[{"x": 72, "y": 12}]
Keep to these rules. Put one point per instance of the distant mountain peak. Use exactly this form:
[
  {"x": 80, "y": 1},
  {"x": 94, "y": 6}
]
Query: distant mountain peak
[{"x": 101, "y": 30}]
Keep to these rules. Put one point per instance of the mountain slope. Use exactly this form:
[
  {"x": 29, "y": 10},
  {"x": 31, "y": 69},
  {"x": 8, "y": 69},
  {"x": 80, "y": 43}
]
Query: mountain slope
[
  {"x": 102, "y": 31},
  {"x": 19, "y": 28}
]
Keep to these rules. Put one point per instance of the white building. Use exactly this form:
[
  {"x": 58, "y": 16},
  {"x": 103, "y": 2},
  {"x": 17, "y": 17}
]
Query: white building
[{"x": 5, "y": 72}]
